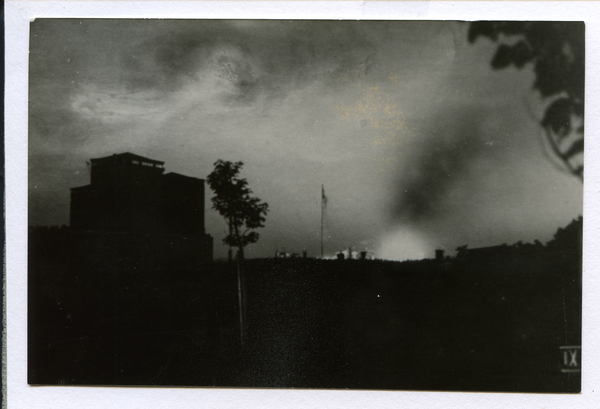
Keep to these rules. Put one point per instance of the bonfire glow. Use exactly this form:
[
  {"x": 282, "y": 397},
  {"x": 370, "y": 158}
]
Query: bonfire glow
[{"x": 404, "y": 244}]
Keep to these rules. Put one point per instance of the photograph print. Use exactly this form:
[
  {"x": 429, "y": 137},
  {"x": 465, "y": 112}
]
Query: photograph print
[{"x": 373, "y": 205}]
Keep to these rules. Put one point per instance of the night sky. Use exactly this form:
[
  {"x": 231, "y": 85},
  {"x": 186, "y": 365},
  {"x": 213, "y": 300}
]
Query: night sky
[{"x": 418, "y": 142}]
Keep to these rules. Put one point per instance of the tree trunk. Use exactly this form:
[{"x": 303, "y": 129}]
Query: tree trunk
[
  {"x": 242, "y": 293},
  {"x": 242, "y": 310},
  {"x": 242, "y": 270}
]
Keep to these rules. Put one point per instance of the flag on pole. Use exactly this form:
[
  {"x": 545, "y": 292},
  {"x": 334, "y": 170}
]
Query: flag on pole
[{"x": 323, "y": 202}]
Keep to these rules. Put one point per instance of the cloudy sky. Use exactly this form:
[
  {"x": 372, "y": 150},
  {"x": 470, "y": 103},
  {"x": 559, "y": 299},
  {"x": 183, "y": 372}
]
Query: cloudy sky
[{"x": 418, "y": 142}]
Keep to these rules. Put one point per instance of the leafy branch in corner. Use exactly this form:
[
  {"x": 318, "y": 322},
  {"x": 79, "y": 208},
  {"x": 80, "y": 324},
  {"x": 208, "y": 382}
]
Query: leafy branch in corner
[{"x": 557, "y": 52}]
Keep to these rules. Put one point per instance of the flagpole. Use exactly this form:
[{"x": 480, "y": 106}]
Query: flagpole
[{"x": 322, "y": 197}]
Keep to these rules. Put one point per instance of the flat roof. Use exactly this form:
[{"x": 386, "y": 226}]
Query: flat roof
[
  {"x": 173, "y": 175},
  {"x": 129, "y": 156}
]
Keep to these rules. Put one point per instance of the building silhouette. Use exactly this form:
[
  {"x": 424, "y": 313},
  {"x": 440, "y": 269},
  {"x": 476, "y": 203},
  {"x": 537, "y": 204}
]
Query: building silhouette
[
  {"x": 131, "y": 198},
  {"x": 131, "y": 194},
  {"x": 128, "y": 269}
]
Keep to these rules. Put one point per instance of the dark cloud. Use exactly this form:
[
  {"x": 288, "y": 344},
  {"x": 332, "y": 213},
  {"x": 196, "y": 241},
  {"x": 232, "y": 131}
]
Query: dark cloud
[
  {"x": 266, "y": 57},
  {"x": 444, "y": 158}
]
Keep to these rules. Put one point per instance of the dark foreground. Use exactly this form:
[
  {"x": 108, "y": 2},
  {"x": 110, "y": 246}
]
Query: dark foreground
[{"x": 471, "y": 325}]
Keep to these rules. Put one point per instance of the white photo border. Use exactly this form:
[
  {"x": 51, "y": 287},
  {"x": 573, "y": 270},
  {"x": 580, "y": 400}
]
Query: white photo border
[{"x": 18, "y": 14}]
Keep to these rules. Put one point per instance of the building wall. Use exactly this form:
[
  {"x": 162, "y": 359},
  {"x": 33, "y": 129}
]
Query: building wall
[
  {"x": 129, "y": 194},
  {"x": 181, "y": 201}
]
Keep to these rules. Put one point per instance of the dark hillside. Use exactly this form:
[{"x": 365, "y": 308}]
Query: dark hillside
[
  {"x": 472, "y": 323},
  {"x": 457, "y": 325}
]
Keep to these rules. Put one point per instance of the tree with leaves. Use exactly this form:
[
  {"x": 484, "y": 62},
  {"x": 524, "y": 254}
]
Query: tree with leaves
[
  {"x": 557, "y": 52},
  {"x": 243, "y": 213}
]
